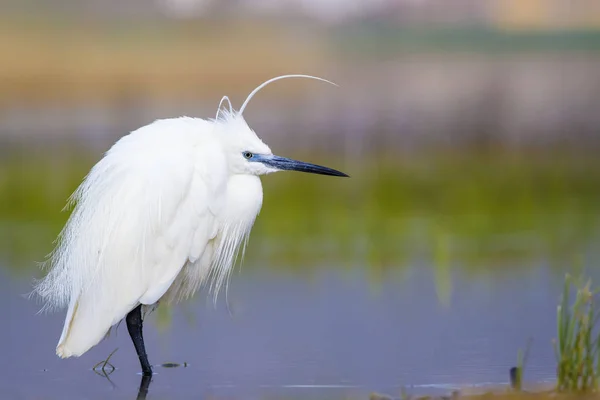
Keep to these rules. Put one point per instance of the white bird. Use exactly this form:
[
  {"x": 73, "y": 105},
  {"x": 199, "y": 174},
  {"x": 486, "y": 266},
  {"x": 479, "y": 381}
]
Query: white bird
[{"x": 164, "y": 212}]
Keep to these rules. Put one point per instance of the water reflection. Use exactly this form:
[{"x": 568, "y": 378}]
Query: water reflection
[
  {"x": 144, "y": 381},
  {"x": 144, "y": 386}
]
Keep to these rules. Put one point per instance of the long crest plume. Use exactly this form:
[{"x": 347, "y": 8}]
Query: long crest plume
[{"x": 262, "y": 85}]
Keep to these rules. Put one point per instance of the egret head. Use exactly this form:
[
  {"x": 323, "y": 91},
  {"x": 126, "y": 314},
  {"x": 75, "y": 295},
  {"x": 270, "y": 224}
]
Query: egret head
[{"x": 247, "y": 154}]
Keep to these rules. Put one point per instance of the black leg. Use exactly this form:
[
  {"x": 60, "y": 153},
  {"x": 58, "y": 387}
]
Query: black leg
[{"x": 134, "y": 326}]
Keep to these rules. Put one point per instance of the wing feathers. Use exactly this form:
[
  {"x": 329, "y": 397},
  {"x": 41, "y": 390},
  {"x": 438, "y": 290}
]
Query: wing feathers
[{"x": 139, "y": 216}]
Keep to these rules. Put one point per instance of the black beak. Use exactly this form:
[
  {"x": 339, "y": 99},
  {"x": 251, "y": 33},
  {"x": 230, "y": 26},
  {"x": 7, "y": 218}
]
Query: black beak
[{"x": 287, "y": 164}]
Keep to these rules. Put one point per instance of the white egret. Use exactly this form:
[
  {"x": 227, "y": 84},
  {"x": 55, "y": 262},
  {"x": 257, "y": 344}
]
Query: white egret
[{"x": 165, "y": 211}]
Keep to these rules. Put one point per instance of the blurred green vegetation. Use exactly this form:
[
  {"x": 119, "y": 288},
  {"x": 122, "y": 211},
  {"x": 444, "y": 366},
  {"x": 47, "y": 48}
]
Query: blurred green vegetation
[{"x": 478, "y": 210}]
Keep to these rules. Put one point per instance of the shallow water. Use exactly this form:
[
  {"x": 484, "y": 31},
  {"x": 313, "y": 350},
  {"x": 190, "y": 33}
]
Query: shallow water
[
  {"x": 333, "y": 334},
  {"x": 429, "y": 281}
]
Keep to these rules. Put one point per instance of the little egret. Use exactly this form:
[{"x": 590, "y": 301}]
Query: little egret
[{"x": 165, "y": 211}]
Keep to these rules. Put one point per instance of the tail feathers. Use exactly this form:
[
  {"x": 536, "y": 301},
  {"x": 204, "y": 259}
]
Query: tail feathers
[
  {"x": 84, "y": 329},
  {"x": 61, "y": 350}
]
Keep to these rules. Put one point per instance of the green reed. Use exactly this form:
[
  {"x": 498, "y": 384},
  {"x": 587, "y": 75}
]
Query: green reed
[
  {"x": 578, "y": 342},
  {"x": 516, "y": 373}
]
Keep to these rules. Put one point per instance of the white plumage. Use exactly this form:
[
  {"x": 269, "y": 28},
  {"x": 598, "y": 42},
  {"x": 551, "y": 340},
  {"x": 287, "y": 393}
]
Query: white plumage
[{"x": 165, "y": 211}]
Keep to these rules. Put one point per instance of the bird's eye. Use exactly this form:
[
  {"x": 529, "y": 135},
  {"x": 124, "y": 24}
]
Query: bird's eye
[{"x": 247, "y": 155}]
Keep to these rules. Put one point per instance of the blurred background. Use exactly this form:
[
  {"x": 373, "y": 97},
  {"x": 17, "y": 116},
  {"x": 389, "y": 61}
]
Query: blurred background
[{"x": 470, "y": 130}]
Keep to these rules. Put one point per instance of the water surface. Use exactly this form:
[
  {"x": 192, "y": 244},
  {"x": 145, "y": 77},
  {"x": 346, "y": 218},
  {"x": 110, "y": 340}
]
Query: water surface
[{"x": 334, "y": 333}]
